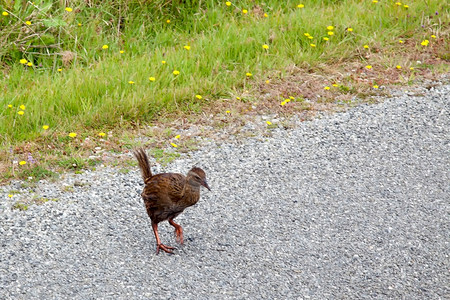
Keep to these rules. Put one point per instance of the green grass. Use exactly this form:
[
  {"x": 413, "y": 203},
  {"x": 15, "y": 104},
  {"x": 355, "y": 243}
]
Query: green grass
[
  {"x": 92, "y": 92},
  {"x": 35, "y": 200},
  {"x": 164, "y": 157}
]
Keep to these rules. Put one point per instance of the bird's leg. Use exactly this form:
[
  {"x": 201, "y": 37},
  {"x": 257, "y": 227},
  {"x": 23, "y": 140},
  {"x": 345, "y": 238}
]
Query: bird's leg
[
  {"x": 158, "y": 241},
  {"x": 178, "y": 231}
]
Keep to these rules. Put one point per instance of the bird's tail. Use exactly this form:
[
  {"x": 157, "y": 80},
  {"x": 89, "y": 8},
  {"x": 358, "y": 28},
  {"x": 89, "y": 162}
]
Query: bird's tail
[{"x": 144, "y": 164}]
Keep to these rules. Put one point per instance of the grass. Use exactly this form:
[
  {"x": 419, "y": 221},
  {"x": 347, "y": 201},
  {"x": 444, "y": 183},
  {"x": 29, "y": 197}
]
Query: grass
[
  {"x": 75, "y": 84},
  {"x": 35, "y": 200}
]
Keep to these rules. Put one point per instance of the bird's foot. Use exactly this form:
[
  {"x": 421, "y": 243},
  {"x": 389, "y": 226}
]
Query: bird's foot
[
  {"x": 164, "y": 248},
  {"x": 179, "y": 236}
]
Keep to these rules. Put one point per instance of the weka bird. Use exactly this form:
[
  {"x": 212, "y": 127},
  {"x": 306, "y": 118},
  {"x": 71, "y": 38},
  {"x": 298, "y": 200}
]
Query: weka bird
[{"x": 166, "y": 195}]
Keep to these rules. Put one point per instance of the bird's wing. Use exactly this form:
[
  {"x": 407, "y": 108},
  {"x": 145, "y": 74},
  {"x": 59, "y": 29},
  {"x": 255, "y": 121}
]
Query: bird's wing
[{"x": 164, "y": 189}]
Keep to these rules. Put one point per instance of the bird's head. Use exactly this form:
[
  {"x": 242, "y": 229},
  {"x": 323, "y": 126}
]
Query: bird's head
[{"x": 197, "y": 177}]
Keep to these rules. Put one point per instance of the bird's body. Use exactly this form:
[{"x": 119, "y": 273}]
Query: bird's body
[{"x": 166, "y": 195}]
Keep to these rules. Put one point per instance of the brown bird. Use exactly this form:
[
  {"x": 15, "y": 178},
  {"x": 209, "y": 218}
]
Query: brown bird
[{"x": 166, "y": 195}]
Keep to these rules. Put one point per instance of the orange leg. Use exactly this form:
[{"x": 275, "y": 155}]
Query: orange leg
[
  {"x": 158, "y": 241},
  {"x": 178, "y": 231}
]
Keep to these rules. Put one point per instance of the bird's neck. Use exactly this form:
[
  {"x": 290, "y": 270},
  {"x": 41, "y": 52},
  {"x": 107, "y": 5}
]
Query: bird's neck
[
  {"x": 192, "y": 188},
  {"x": 191, "y": 194}
]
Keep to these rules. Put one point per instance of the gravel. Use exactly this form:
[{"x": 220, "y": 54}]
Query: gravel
[{"x": 349, "y": 206}]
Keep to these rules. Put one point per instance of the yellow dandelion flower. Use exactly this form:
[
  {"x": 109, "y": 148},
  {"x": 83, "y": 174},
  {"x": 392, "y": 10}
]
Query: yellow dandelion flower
[
  {"x": 306, "y": 34},
  {"x": 406, "y": 6},
  {"x": 227, "y": 112},
  {"x": 10, "y": 195},
  {"x": 266, "y": 15},
  {"x": 131, "y": 82},
  {"x": 152, "y": 78},
  {"x": 265, "y": 46},
  {"x": 325, "y": 39},
  {"x": 104, "y": 47},
  {"x": 287, "y": 100},
  {"x": 30, "y": 64},
  {"x": 187, "y": 47},
  {"x": 72, "y": 134},
  {"x": 310, "y": 37},
  {"x": 366, "y": 46},
  {"x": 121, "y": 51},
  {"x": 398, "y": 3},
  {"x": 269, "y": 123},
  {"x": 329, "y": 28},
  {"x": 167, "y": 21},
  {"x": 244, "y": 11},
  {"x": 9, "y": 105},
  {"x": 350, "y": 29},
  {"x": 330, "y": 33},
  {"x": 45, "y": 127},
  {"x": 369, "y": 67},
  {"x": 79, "y": 24},
  {"x": 198, "y": 97},
  {"x": 22, "y": 162},
  {"x": 398, "y": 67},
  {"x": 238, "y": 98},
  {"x": 68, "y": 9},
  {"x": 22, "y": 107},
  {"x": 102, "y": 134},
  {"x": 5, "y": 13},
  {"x": 375, "y": 86},
  {"x": 176, "y": 72},
  {"x": 177, "y": 136},
  {"x": 59, "y": 70},
  {"x": 412, "y": 68},
  {"x": 401, "y": 42},
  {"x": 173, "y": 145},
  {"x": 312, "y": 45},
  {"x": 292, "y": 98},
  {"x": 28, "y": 23},
  {"x": 326, "y": 88},
  {"x": 21, "y": 112},
  {"x": 267, "y": 81},
  {"x": 425, "y": 42},
  {"x": 300, "y": 5},
  {"x": 228, "y": 3},
  {"x": 433, "y": 36},
  {"x": 374, "y": 1},
  {"x": 248, "y": 74},
  {"x": 335, "y": 84},
  {"x": 23, "y": 61},
  {"x": 163, "y": 62},
  {"x": 283, "y": 103}
]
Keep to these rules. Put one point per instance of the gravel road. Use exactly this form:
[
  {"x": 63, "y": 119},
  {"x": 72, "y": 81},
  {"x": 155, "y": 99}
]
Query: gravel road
[{"x": 349, "y": 206}]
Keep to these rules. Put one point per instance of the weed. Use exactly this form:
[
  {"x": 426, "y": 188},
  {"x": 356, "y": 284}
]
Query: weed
[
  {"x": 272, "y": 126},
  {"x": 124, "y": 171},
  {"x": 73, "y": 163},
  {"x": 14, "y": 192},
  {"x": 41, "y": 200},
  {"x": 68, "y": 189},
  {"x": 35, "y": 200},
  {"x": 164, "y": 157},
  {"x": 37, "y": 173},
  {"x": 20, "y": 206}
]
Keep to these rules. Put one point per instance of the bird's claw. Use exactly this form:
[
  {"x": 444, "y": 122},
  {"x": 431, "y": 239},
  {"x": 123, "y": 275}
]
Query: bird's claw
[{"x": 165, "y": 248}]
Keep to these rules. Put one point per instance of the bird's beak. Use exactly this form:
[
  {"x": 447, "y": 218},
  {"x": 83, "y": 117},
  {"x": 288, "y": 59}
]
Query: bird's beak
[{"x": 206, "y": 185}]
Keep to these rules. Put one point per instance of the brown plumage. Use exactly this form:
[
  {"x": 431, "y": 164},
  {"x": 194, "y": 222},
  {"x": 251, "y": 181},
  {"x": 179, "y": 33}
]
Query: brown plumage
[{"x": 166, "y": 195}]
